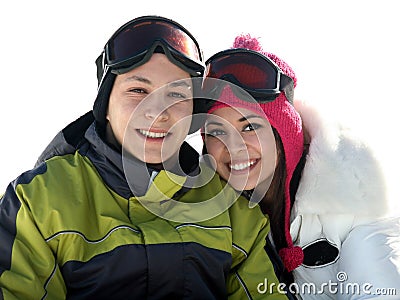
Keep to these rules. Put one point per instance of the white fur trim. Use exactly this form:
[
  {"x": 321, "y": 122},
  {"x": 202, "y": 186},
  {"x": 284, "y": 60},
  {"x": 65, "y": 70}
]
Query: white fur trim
[{"x": 342, "y": 174}]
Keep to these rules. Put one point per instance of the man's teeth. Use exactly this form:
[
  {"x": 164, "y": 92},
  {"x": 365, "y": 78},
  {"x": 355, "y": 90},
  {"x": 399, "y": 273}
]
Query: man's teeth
[
  {"x": 242, "y": 166},
  {"x": 153, "y": 134}
]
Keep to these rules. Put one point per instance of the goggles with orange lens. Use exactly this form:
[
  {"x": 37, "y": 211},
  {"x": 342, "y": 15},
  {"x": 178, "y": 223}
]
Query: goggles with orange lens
[
  {"x": 251, "y": 71},
  {"x": 134, "y": 43}
]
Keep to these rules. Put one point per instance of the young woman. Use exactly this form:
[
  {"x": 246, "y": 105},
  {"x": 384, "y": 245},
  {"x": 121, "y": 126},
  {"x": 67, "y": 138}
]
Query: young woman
[{"x": 330, "y": 221}]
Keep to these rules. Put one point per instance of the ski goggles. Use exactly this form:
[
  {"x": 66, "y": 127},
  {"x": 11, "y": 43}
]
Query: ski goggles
[
  {"x": 134, "y": 43},
  {"x": 249, "y": 70}
]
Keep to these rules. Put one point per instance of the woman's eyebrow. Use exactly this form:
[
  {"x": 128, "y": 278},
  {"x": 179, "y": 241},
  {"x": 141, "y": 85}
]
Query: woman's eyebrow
[
  {"x": 242, "y": 119},
  {"x": 245, "y": 118}
]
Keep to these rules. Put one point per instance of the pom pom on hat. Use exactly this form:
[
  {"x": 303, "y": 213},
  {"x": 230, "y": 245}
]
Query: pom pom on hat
[{"x": 246, "y": 41}]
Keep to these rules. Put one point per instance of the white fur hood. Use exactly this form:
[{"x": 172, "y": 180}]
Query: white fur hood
[{"x": 342, "y": 174}]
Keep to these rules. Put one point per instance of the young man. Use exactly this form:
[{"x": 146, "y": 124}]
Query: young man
[{"x": 114, "y": 210}]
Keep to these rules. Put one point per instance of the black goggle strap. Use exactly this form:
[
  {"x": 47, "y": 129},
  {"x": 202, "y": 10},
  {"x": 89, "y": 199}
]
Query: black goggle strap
[
  {"x": 100, "y": 67},
  {"x": 287, "y": 86},
  {"x": 102, "y": 70},
  {"x": 151, "y": 21},
  {"x": 285, "y": 82},
  {"x": 193, "y": 69},
  {"x": 174, "y": 56}
]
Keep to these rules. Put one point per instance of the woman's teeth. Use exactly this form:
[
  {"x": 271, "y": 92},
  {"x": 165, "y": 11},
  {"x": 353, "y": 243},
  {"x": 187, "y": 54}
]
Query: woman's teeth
[{"x": 242, "y": 166}]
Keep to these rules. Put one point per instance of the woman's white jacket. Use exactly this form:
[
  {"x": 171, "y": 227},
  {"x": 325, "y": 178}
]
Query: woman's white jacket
[{"x": 344, "y": 217}]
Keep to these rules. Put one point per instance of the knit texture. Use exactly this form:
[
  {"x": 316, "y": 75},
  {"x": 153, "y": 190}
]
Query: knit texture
[{"x": 248, "y": 42}]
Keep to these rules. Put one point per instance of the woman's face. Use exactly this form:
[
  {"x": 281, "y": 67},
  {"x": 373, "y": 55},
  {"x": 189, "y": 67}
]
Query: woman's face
[
  {"x": 150, "y": 109},
  {"x": 243, "y": 146}
]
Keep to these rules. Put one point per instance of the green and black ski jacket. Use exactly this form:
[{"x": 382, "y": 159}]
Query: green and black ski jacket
[{"x": 71, "y": 229}]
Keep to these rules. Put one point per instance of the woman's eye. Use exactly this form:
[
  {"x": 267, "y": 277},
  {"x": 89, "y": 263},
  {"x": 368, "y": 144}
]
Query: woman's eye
[
  {"x": 251, "y": 127},
  {"x": 215, "y": 132}
]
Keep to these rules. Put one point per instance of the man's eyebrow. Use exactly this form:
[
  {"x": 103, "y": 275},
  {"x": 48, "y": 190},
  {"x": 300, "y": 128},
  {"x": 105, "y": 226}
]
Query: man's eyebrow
[
  {"x": 138, "y": 78},
  {"x": 179, "y": 83}
]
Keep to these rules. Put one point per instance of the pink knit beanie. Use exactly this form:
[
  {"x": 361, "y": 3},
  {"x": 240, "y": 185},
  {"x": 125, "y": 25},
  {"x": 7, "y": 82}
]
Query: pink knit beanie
[{"x": 287, "y": 122}]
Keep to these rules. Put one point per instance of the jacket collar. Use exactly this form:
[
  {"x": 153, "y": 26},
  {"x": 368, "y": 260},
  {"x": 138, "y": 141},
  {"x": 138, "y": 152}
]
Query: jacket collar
[{"x": 129, "y": 176}]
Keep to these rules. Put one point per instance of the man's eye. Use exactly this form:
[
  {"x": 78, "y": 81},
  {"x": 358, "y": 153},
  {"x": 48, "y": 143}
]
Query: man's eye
[
  {"x": 178, "y": 95},
  {"x": 138, "y": 91}
]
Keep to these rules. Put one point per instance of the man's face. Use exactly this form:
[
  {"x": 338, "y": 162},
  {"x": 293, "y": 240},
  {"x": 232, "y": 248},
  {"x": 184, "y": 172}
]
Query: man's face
[{"x": 150, "y": 109}]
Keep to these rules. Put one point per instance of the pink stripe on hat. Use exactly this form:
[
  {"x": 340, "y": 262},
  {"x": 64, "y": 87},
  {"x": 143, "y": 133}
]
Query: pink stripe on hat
[{"x": 229, "y": 99}]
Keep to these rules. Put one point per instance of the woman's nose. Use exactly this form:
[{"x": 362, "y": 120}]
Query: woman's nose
[{"x": 235, "y": 143}]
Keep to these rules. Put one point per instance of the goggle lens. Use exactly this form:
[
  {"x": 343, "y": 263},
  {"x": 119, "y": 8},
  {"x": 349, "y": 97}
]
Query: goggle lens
[
  {"x": 251, "y": 71},
  {"x": 136, "y": 37}
]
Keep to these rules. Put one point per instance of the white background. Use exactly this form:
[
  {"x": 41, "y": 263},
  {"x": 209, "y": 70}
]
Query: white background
[{"x": 345, "y": 54}]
